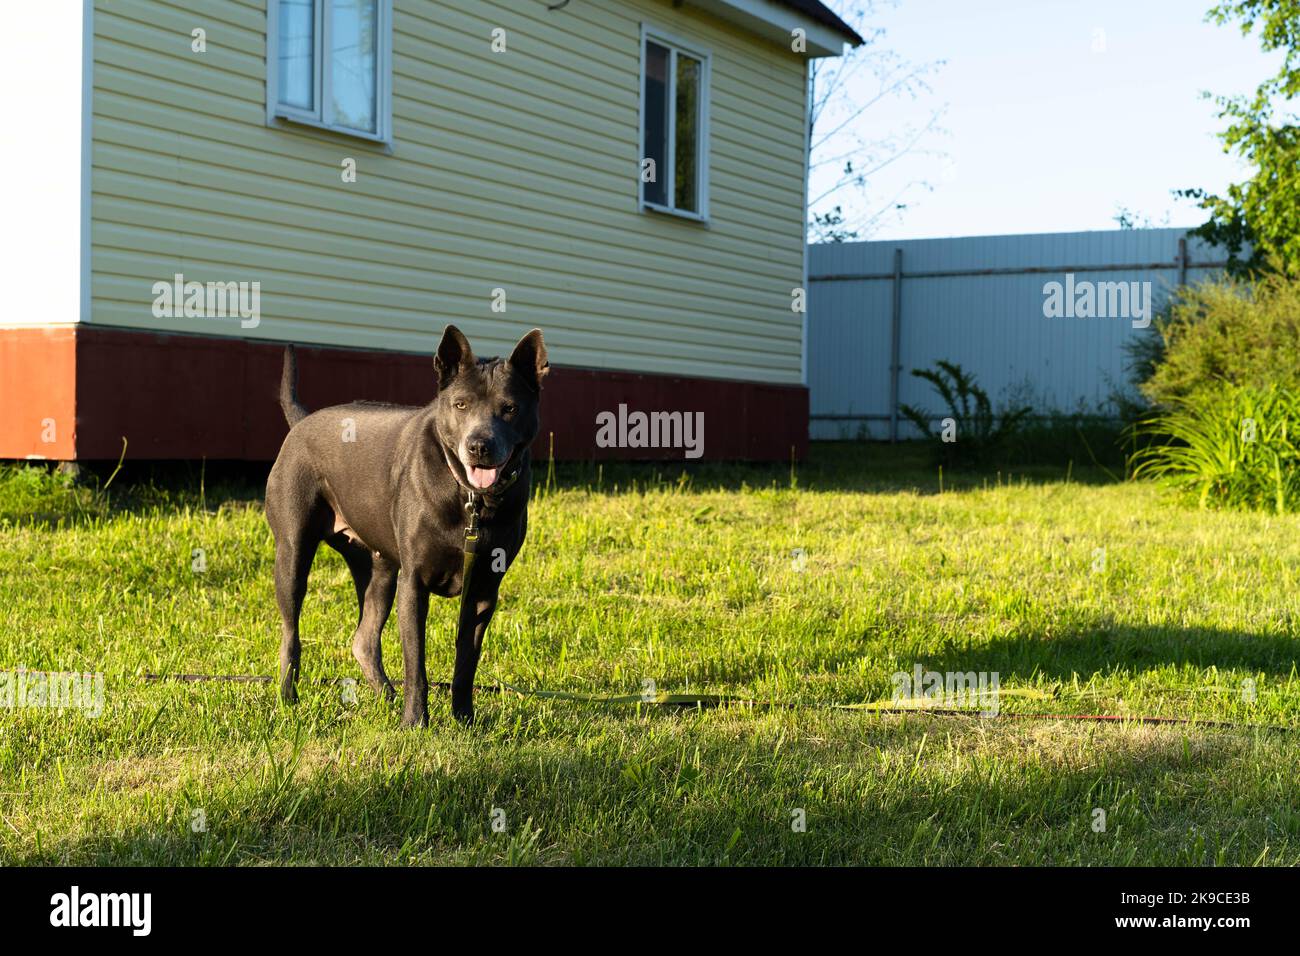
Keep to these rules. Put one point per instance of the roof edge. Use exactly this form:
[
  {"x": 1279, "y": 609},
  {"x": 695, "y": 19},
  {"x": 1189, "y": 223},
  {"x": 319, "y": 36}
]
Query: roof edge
[
  {"x": 818, "y": 11},
  {"x": 825, "y": 34}
]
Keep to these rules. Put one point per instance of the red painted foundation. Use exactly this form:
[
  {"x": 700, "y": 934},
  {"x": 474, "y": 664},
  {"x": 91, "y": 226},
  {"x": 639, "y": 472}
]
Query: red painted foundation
[{"x": 187, "y": 396}]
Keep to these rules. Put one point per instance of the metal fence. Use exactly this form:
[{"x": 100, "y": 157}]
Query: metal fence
[{"x": 1039, "y": 319}]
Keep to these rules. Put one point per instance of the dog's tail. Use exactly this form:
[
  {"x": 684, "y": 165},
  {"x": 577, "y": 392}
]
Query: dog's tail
[{"x": 289, "y": 404}]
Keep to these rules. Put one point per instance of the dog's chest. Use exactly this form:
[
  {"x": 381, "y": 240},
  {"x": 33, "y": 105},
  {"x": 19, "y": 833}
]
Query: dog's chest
[{"x": 435, "y": 552}]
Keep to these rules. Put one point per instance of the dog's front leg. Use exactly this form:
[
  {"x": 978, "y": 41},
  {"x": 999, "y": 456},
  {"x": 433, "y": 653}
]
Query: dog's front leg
[
  {"x": 476, "y": 613},
  {"x": 412, "y": 612}
]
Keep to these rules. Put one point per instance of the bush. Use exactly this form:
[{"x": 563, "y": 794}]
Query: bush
[
  {"x": 1229, "y": 445},
  {"x": 1227, "y": 332},
  {"x": 980, "y": 434}
]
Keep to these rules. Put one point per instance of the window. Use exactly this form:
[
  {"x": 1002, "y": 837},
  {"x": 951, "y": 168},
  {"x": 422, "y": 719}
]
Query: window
[
  {"x": 329, "y": 64},
  {"x": 674, "y": 127}
]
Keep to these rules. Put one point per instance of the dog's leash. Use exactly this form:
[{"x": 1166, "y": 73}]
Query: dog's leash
[
  {"x": 472, "y": 542},
  {"x": 470, "y": 547},
  {"x": 915, "y": 706}
]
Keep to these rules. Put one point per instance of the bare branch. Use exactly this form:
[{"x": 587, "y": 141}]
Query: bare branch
[{"x": 845, "y": 157}]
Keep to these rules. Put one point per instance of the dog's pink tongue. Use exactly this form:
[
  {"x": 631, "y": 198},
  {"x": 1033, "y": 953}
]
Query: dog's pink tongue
[{"x": 481, "y": 477}]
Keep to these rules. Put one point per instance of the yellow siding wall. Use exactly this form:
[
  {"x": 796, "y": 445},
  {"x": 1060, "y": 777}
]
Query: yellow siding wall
[{"x": 514, "y": 170}]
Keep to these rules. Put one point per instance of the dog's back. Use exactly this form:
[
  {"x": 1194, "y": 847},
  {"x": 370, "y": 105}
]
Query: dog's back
[
  {"x": 341, "y": 453},
  {"x": 333, "y": 462}
]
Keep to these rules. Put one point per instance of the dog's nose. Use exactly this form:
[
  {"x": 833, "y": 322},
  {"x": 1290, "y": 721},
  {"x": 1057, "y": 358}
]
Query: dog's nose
[{"x": 479, "y": 448}]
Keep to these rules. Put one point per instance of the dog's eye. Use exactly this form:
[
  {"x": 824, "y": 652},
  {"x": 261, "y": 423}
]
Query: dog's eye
[
  {"x": 460, "y": 404},
  {"x": 507, "y": 409}
]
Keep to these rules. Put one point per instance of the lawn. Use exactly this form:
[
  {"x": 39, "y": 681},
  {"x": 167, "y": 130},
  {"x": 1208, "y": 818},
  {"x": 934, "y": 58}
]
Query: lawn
[{"x": 1104, "y": 597}]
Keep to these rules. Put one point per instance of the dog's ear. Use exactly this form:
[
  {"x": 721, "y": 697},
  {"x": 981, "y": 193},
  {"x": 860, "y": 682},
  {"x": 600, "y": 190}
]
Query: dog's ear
[
  {"x": 453, "y": 356},
  {"x": 529, "y": 359}
]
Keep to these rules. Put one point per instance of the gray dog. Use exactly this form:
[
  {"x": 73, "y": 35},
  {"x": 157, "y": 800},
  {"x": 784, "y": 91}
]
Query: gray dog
[{"x": 415, "y": 490}]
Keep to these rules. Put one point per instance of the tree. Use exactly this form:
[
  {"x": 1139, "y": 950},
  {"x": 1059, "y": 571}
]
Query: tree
[
  {"x": 844, "y": 159},
  {"x": 1258, "y": 221},
  {"x": 1126, "y": 218}
]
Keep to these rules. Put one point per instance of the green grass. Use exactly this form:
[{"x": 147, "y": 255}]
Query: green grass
[{"x": 635, "y": 573}]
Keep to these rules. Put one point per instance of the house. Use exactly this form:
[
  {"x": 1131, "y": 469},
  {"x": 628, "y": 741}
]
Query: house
[{"x": 198, "y": 182}]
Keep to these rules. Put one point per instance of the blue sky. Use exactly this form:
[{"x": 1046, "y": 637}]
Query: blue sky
[{"x": 1043, "y": 133}]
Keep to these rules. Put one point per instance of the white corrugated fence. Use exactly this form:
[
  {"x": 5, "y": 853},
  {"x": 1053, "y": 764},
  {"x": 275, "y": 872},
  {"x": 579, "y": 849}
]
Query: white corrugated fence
[{"x": 1039, "y": 319}]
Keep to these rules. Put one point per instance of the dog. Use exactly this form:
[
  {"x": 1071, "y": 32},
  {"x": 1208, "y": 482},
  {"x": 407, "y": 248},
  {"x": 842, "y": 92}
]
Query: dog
[{"x": 393, "y": 489}]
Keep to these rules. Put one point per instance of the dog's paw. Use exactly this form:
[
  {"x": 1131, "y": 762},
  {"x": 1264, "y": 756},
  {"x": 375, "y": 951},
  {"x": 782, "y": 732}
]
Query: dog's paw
[{"x": 415, "y": 721}]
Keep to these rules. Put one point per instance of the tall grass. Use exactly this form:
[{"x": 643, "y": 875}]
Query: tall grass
[{"x": 1234, "y": 446}]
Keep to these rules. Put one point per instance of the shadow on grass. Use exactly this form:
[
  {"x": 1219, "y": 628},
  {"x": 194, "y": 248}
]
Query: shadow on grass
[
  {"x": 868, "y": 467},
  {"x": 1104, "y": 648},
  {"x": 35, "y": 495},
  {"x": 870, "y": 801},
  {"x": 1107, "y": 646}
]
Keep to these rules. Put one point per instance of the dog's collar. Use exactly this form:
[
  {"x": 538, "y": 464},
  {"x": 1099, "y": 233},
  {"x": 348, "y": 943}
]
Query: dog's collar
[
  {"x": 480, "y": 493},
  {"x": 505, "y": 483}
]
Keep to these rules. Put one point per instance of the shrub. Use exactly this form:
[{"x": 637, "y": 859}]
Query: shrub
[
  {"x": 1228, "y": 331},
  {"x": 1231, "y": 445},
  {"x": 980, "y": 433}
]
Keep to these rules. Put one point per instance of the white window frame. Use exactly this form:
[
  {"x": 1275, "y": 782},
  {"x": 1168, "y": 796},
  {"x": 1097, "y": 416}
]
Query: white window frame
[
  {"x": 277, "y": 112},
  {"x": 674, "y": 45}
]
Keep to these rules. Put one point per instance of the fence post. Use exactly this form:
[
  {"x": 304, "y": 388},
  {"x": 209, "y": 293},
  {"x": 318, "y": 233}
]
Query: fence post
[
  {"x": 894, "y": 334},
  {"x": 1182, "y": 262}
]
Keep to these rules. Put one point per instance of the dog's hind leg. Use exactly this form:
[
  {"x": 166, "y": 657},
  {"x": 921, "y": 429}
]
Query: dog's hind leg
[
  {"x": 365, "y": 642},
  {"x": 294, "y": 554},
  {"x": 376, "y": 583}
]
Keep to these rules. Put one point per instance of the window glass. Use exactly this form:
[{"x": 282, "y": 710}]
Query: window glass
[
  {"x": 297, "y": 30},
  {"x": 354, "y": 38},
  {"x": 656, "y": 123},
  {"x": 686, "y": 162}
]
